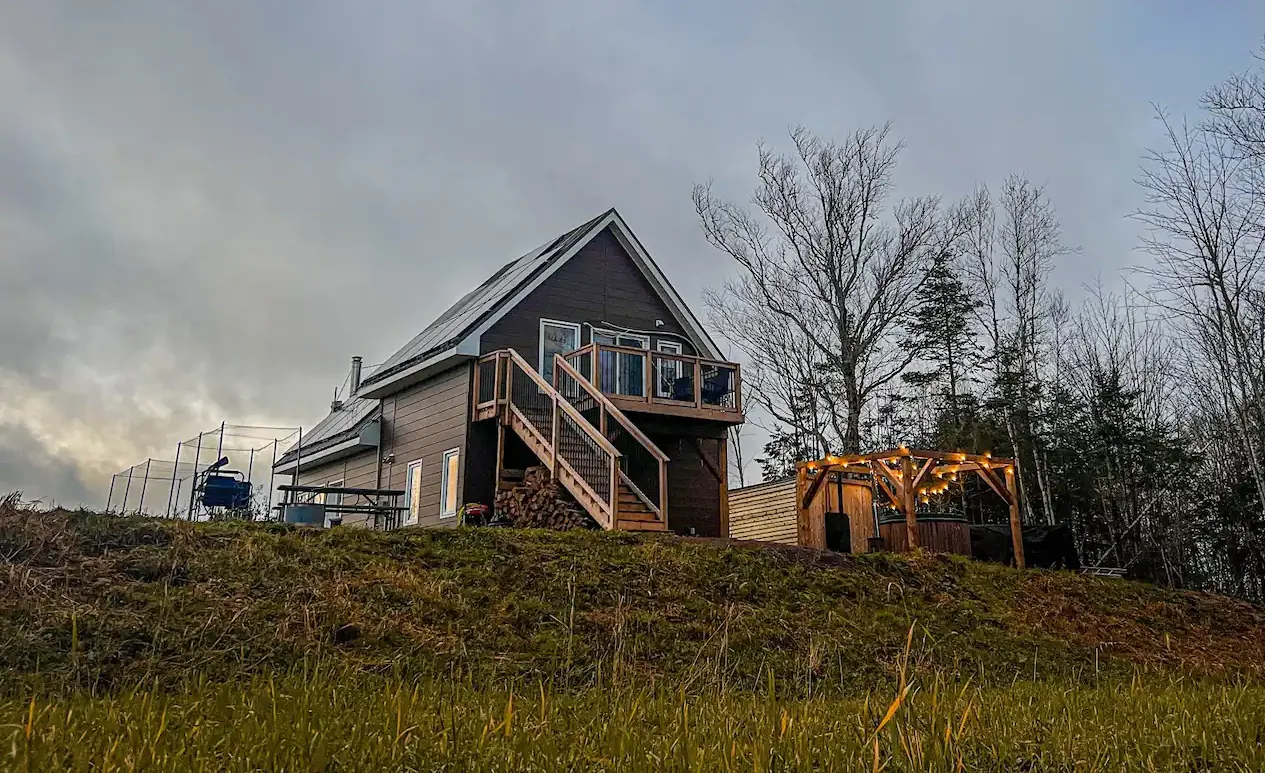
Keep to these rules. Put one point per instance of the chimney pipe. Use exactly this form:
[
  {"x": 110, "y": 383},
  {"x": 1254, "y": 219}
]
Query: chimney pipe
[{"x": 355, "y": 375}]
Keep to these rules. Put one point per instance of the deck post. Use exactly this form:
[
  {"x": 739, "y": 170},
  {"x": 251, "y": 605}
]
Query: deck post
[
  {"x": 1016, "y": 527},
  {"x": 909, "y": 500},
  {"x": 723, "y": 444},
  {"x": 698, "y": 384}
]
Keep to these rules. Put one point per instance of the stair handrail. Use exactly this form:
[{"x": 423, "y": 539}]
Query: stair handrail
[
  {"x": 611, "y": 411},
  {"x": 609, "y": 407},
  {"x": 561, "y": 403},
  {"x": 589, "y": 430}
]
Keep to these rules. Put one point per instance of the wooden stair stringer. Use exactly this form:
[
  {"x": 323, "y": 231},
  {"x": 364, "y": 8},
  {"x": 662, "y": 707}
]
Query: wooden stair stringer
[{"x": 565, "y": 475}]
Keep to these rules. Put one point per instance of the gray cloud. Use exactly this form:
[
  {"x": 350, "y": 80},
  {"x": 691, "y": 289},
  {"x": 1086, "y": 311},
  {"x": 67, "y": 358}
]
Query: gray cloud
[
  {"x": 25, "y": 466},
  {"x": 206, "y": 208}
]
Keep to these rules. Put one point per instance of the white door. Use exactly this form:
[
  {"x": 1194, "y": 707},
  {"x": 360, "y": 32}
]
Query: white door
[{"x": 668, "y": 371}]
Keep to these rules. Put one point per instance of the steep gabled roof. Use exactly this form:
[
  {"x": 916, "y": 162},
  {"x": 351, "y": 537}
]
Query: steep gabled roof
[{"x": 455, "y": 323}]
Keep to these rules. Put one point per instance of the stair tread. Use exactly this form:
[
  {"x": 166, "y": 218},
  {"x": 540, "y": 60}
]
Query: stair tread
[{"x": 625, "y": 525}]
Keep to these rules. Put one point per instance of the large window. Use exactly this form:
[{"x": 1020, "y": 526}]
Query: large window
[
  {"x": 556, "y": 338},
  {"x": 413, "y": 492},
  {"x": 622, "y": 373},
  {"x": 448, "y": 492}
]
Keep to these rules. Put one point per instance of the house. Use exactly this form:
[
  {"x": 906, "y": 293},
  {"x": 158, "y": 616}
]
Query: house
[{"x": 579, "y": 357}]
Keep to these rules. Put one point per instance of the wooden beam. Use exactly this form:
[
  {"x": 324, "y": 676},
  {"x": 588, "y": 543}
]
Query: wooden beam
[
  {"x": 922, "y": 473},
  {"x": 882, "y": 483},
  {"x": 814, "y": 485},
  {"x": 1016, "y": 528},
  {"x": 910, "y": 503},
  {"x": 698, "y": 446},
  {"x": 994, "y": 483}
]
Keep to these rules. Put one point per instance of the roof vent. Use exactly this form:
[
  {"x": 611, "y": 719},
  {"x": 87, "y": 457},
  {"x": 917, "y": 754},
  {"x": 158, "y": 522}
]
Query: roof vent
[{"x": 335, "y": 405}]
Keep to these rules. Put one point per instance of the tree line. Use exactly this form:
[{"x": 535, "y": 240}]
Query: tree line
[{"x": 1136, "y": 415}]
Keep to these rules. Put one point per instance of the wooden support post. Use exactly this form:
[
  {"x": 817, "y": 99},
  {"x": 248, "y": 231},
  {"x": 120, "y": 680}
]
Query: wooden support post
[
  {"x": 801, "y": 510},
  {"x": 724, "y": 486},
  {"x": 909, "y": 501},
  {"x": 500, "y": 453},
  {"x": 1016, "y": 528}
]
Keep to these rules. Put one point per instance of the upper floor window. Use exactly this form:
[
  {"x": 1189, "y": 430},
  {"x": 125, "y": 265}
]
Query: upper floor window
[{"x": 556, "y": 337}]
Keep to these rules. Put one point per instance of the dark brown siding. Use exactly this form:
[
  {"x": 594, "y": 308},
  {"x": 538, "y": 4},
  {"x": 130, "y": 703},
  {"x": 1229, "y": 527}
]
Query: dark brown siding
[
  {"x": 421, "y": 423},
  {"x": 480, "y": 463},
  {"x": 694, "y": 499},
  {"x": 601, "y": 283}
]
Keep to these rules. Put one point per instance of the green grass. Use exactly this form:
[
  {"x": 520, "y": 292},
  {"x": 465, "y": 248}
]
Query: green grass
[
  {"x": 133, "y": 644},
  {"x": 343, "y": 722}
]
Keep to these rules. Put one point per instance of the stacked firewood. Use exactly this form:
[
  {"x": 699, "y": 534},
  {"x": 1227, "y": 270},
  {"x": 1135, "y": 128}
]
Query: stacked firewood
[{"x": 540, "y": 503}]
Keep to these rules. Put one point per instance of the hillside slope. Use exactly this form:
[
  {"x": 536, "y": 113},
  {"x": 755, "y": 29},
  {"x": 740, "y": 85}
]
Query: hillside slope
[{"x": 96, "y": 601}]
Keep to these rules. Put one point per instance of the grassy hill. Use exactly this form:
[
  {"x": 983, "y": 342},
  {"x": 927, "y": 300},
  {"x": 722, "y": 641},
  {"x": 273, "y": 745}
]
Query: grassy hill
[{"x": 104, "y": 620}]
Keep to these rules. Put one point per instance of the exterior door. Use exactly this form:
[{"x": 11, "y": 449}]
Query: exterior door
[
  {"x": 623, "y": 373},
  {"x": 667, "y": 372}
]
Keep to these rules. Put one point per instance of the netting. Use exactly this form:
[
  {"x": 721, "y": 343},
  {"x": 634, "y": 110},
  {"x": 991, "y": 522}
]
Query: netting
[{"x": 177, "y": 487}]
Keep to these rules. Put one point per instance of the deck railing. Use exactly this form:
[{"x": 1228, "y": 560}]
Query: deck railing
[{"x": 660, "y": 378}]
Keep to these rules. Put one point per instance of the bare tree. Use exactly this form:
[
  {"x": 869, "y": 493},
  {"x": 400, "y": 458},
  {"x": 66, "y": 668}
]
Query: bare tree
[
  {"x": 824, "y": 257},
  {"x": 1207, "y": 234},
  {"x": 1011, "y": 246}
]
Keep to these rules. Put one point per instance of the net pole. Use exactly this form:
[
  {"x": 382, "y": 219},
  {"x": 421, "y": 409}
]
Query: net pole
[
  {"x": 140, "y": 508},
  {"x": 110, "y": 497},
  {"x": 127, "y": 489},
  {"x": 219, "y": 450},
  {"x": 193, "y": 484},
  {"x": 272, "y": 475},
  {"x": 175, "y": 470}
]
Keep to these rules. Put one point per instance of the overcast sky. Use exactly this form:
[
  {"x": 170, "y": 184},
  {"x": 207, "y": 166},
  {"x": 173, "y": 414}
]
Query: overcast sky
[{"x": 207, "y": 207}]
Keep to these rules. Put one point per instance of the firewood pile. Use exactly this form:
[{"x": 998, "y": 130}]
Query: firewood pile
[{"x": 540, "y": 503}]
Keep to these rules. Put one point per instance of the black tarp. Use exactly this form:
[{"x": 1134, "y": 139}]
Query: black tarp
[{"x": 1048, "y": 547}]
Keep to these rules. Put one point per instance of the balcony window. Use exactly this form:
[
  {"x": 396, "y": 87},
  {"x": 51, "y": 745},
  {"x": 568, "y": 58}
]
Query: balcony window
[{"x": 622, "y": 373}]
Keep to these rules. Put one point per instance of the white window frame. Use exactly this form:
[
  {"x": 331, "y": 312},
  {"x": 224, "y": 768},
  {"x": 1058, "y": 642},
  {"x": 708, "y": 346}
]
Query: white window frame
[
  {"x": 548, "y": 374},
  {"x": 668, "y": 347},
  {"x": 411, "y": 516},
  {"x": 443, "y": 484}
]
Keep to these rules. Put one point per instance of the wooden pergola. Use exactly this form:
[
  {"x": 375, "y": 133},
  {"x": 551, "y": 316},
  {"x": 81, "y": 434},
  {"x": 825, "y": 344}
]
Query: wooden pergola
[{"x": 904, "y": 476}]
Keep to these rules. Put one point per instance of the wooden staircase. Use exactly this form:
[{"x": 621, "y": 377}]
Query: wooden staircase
[
  {"x": 591, "y": 448},
  {"x": 634, "y": 514}
]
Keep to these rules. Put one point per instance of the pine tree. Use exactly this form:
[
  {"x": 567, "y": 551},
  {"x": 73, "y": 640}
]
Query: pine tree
[{"x": 942, "y": 332}]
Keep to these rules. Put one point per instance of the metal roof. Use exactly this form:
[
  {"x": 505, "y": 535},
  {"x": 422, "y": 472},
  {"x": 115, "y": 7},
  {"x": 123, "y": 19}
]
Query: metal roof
[
  {"x": 347, "y": 418},
  {"x": 453, "y": 325}
]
